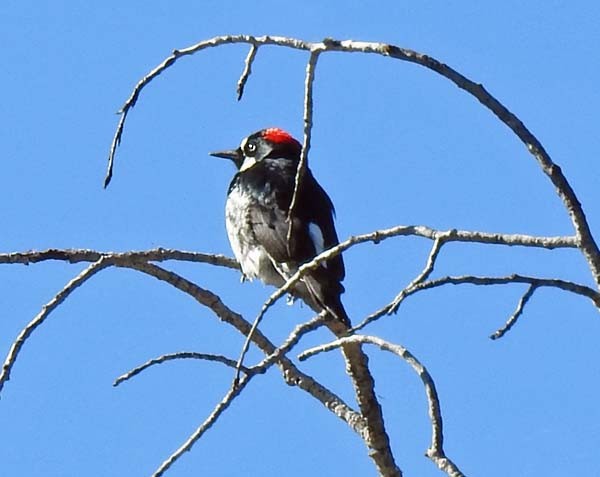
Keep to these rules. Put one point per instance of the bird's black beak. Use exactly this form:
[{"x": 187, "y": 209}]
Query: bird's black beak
[{"x": 235, "y": 155}]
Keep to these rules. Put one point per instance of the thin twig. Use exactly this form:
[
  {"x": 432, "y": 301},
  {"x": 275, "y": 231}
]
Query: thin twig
[
  {"x": 516, "y": 314},
  {"x": 425, "y": 273},
  {"x": 116, "y": 142},
  {"x": 436, "y": 449},
  {"x": 291, "y": 341},
  {"x": 176, "y": 356},
  {"x": 534, "y": 282},
  {"x": 429, "y": 265},
  {"x": 309, "y": 80},
  {"x": 48, "y": 308},
  {"x": 283, "y": 349},
  {"x": 249, "y": 338},
  {"x": 564, "y": 285},
  {"x": 247, "y": 70},
  {"x": 206, "y": 425}
]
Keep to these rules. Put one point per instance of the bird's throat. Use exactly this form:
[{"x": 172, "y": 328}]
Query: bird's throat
[{"x": 247, "y": 164}]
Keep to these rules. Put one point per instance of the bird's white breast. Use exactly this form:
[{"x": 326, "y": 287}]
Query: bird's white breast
[{"x": 253, "y": 258}]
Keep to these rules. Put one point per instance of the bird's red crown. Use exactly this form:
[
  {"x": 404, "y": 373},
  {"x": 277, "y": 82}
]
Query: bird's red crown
[{"x": 278, "y": 136}]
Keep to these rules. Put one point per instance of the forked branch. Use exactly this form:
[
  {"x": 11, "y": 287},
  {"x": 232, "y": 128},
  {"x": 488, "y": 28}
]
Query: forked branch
[
  {"x": 436, "y": 449},
  {"x": 369, "y": 423},
  {"x": 584, "y": 238},
  {"x": 48, "y": 308}
]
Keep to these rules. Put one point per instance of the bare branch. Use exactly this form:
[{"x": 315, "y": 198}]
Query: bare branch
[
  {"x": 84, "y": 255},
  {"x": 430, "y": 264},
  {"x": 246, "y": 345},
  {"x": 436, "y": 449},
  {"x": 163, "y": 254},
  {"x": 61, "y": 296},
  {"x": 376, "y": 438},
  {"x": 534, "y": 281},
  {"x": 291, "y": 341},
  {"x": 206, "y": 425},
  {"x": 425, "y": 273},
  {"x": 585, "y": 240},
  {"x": 435, "y": 250},
  {"x": 116, "y": 142},
  {"x": 311, "y": 67},
  {"x": 176, "y": 356},
  {"x": 441, "y": 237},
  {"x": 517, "y": 313},
  {"x": 240, "y": 383},
  {"x": 356, "y": 360},
  {"x": 454, "y": 235},
  {"x": 292, "y": 374},
  {"x": 247, "y": 70}
]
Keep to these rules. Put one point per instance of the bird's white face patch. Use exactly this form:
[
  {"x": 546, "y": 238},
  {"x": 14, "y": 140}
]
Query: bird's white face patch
[
  {"x": 248, "y": 163},
  {"x": 316, "y": 235}
]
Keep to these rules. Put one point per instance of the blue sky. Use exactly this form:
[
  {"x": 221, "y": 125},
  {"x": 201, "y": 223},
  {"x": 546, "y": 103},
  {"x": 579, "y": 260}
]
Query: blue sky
[{"x": 392, "y": 143}]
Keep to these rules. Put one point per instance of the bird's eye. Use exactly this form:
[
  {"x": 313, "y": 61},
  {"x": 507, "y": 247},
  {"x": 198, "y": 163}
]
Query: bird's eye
[{"x": 251, "y": 148}]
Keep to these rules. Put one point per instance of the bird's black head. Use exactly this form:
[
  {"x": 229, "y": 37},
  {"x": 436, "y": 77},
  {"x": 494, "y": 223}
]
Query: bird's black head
[{"x": 270, "y": 142}]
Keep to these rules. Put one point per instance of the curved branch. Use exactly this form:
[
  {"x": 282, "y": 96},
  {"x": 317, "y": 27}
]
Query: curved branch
[
  {"x": 48, "y": 308},
  {"x": 536, "y": 282},
  {"x": 234, "y": 392},
  {"x": 517, "y": 313},
  {"x": 292, "y": 374},
  {"x": 291, "y": 341},
  {"x": 436, "y": 449},
  {"x": 533, "y": 282},
  {"x": 128, "y": 259},
  {"x": 176, "y": 356},
  {"x": 585, "y": 240}
]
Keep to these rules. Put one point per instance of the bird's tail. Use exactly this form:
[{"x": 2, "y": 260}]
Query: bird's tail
[{"x": 326, "y": 296}]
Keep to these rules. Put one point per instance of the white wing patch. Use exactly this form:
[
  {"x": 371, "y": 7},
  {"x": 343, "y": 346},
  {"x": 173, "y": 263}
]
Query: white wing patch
[{"x": 316, "y": 235}]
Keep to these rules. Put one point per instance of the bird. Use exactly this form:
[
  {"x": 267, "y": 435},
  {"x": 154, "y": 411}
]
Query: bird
[{"x": 271, "y": 242}]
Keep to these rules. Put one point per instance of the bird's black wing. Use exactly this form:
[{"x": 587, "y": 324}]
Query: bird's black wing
[
  {"x": 315, "y": 207},
  {"x": 270, "y": 228},
  {"x": 312, "y": 227},
  {"x": 312, "y": 231}
]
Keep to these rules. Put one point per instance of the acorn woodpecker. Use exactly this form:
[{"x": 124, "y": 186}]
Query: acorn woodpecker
[{"x": 258, "y": 221}]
